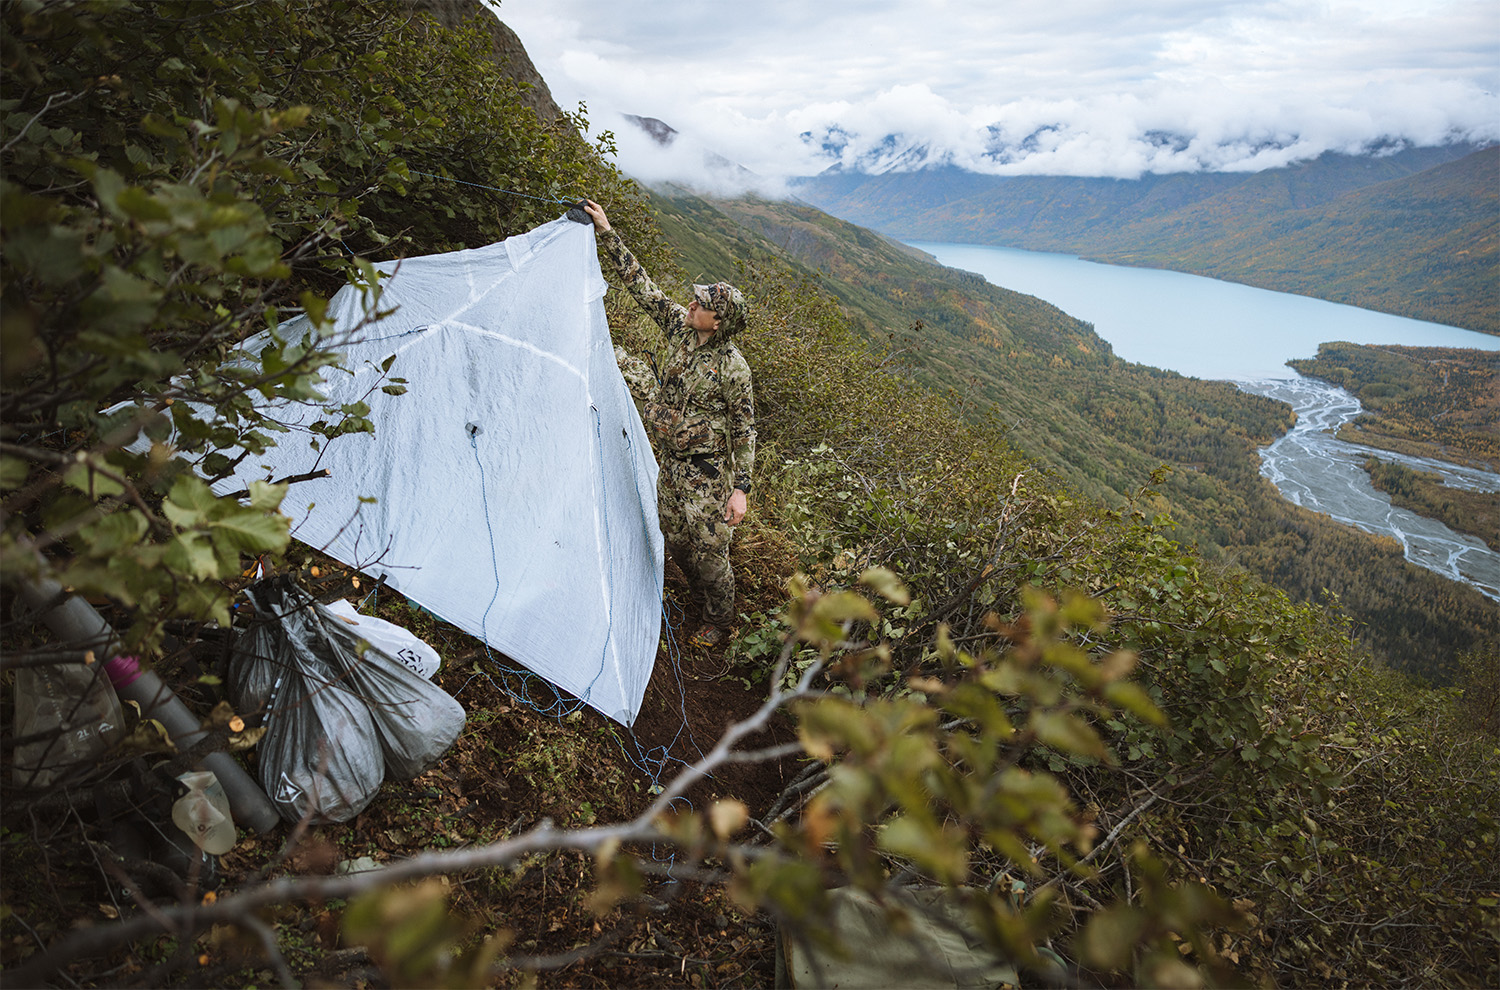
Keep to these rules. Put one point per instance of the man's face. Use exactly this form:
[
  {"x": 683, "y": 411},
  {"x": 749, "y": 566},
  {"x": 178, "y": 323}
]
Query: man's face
[{"x": 702, "y": 319}]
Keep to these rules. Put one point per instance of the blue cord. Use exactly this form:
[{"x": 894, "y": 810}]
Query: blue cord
[
  {"x": 652, "y": 763},
  {"x": 484, "y": 501},
  {"x": 609, "y": 629},
  {"x": 558, "y": 707}
]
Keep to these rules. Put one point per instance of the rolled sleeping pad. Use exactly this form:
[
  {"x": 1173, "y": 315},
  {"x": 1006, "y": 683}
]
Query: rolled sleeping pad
[{"x": 79, "y": 623}]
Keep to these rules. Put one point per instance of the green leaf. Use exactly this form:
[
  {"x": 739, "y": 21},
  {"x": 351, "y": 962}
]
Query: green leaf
[
  {"x": 1067, "y": 734},
  {"x": 265, "y": 496},
  {"x": 87, "y": 480},
  {"x": 253, "y": 530},
  {"x": 13, "y": 471},
  {"x": 141, "y": 205},
  {"x": 190, "y": 503},
  {"x": 115, "y": 532},
  {"x": 107, "y": 187},
  {"x": 192, "y": 553}
]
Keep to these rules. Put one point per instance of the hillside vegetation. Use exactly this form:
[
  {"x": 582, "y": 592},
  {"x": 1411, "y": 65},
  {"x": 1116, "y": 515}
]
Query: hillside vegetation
[
  {"x": 1124, "y": 764},
  {"x": 1102, "y": 426},
  {"x": 1415, "y": 233}
]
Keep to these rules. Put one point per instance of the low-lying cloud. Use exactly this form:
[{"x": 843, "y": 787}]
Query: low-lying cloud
[{"x": 1072, "y": 87}]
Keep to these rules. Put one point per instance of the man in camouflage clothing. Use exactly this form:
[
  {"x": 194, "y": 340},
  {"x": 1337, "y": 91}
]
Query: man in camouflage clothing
[{"x": 702, "y": 415}]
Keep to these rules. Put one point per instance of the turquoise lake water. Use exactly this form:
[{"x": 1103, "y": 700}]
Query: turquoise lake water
[
  {"x": 1200, "y": 327},
  {"x": 1209, "y": 329}
]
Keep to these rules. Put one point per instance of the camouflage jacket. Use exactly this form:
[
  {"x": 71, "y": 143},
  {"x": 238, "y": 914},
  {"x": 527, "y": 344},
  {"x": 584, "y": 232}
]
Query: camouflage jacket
[{"x": 702, "y": 403}]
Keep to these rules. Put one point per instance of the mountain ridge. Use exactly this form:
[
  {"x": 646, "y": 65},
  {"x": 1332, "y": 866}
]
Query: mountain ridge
[{"x": 1321, "y": 228}]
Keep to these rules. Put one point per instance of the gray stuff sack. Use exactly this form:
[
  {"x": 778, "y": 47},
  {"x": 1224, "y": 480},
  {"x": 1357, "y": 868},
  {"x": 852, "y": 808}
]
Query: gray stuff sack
[{"x": 337, "y": 719}]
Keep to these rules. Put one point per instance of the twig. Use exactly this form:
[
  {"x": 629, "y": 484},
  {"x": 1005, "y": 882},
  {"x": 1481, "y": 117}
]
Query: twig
[
  {"x": 290, "y": 479},
  {"x": 267, "y": 938},
  {"x": 45, "y": 107}
]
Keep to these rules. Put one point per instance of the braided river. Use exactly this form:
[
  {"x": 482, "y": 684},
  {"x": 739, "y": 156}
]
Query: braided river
[{"x": 1205, "y": 328}]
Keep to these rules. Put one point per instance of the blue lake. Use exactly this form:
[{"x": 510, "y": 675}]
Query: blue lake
[
  {"x": 1209, "y": 329},
  {"x": 1199, "y": 327}
]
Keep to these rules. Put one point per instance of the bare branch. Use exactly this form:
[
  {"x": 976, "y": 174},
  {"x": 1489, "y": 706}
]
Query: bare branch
[
  {"x": 290, "y": 479},
  {"x": 71, "y": 98}
]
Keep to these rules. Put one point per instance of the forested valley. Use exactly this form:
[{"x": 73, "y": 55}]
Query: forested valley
[
  {"x": 1423, "y": 492},
  {"x": 1412, "y": 232},
  {"x": 1013, "y": 626},
  {"x": 1438, "y": 402},
  {"x": 1109, "y": 428}
]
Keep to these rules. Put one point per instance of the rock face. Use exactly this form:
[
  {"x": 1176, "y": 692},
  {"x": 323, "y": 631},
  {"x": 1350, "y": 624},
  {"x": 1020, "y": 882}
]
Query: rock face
[
  {"x": 509, "y": 53},
  {"x": 659, "y": 130}
]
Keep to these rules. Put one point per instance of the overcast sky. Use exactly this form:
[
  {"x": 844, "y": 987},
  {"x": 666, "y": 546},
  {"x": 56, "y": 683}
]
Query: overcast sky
[{"x": 1053, "y": 87}]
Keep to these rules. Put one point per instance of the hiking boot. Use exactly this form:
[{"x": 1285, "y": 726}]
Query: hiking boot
[{"x": 707, "y": 636}]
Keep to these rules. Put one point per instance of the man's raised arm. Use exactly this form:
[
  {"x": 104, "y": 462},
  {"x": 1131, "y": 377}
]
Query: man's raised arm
[{"x": 670, "y": 316}]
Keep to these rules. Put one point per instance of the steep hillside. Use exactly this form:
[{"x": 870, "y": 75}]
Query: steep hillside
[
  {"x": 952, "y": 677},
  {"x": 1101, "y": 424},
  {"x": 1414, "y": 233}
]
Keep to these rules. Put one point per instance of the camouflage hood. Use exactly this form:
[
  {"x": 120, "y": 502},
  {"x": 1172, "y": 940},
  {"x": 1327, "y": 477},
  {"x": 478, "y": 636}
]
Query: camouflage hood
[{"x": 726, "y": 302}]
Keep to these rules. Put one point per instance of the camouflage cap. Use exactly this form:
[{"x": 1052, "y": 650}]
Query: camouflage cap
[{"x": 726, "y": 303}]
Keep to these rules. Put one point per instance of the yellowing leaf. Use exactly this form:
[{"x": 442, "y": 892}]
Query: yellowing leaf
[
  {"x": 886, "y": 584},
  {"x": 13, "y": 472},
  {"x": 815, "y": 746},
  {"x": 1134, "y": 699},
  {"x": 1109, "y": 939},
  {"x": 844, "y": 605},
  {"x": 1118, "y": 664},
  {"x": 942, "y": 850},
  {"x": 727, "y": 817}
]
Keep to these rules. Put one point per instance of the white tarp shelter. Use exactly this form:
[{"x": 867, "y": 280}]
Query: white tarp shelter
[{"x": 515, "y": 487}]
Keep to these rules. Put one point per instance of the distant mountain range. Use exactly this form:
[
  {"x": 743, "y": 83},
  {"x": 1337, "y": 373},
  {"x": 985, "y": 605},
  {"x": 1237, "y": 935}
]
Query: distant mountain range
[
  {"x": 1097, "y": 423},
  {"x": 1416, "y": 232}
]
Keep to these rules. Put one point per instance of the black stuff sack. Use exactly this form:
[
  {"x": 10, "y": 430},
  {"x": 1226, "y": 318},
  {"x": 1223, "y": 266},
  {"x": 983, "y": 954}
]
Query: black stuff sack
[
  {"x": 337, "y": 721},
  {"x": 320, "y": 758}
]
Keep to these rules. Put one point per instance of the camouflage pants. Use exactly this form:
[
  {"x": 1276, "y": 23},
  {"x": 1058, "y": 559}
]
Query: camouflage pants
[
  {"x": 690, "y": 505},
  {"x": 690, "y": 508}
]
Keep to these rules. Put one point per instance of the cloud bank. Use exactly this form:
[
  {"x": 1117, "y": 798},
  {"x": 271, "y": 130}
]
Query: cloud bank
[{"x": 1070, "y": 87}]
